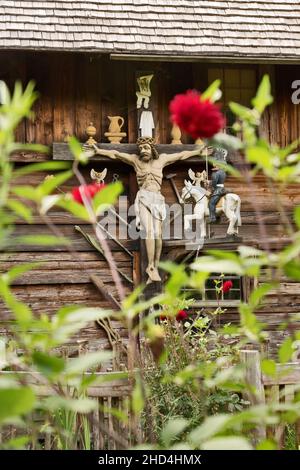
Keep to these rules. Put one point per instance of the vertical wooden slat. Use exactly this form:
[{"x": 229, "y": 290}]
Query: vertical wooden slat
[
  {"x": 272, "y": 397},
  {"x": 88, "y": 95},
  {"x": 253, "y": 378},
  {"x": 96, "y": 429},
  {"x": 47, "y": 441},
  {"x": 40, "y": 129},
  {"x": 101, "y": 423},
  {"x": 131, "y": 104},
  {"x": 64, "y": 97}
]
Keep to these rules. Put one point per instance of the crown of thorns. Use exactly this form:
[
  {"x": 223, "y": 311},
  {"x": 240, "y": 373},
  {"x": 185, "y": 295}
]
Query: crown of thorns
[{"x": 150, "y": 141}]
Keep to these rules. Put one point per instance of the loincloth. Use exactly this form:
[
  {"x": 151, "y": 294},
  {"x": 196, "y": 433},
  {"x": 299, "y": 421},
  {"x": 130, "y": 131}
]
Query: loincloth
[{"x": 154, "y": 202}]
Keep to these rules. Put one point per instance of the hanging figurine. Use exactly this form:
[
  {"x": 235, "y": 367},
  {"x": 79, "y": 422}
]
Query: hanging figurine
[
  {"x": 197, "y": 178},
  {"x": 98, "y": 177},
  {"x": 143, "y": 95}
]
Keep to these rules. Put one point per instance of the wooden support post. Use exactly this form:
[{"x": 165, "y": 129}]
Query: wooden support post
[{"x": 256, "y": 393}]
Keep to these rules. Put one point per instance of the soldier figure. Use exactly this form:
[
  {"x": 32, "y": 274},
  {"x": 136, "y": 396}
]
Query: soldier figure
[{"x": 217, "y": 183}]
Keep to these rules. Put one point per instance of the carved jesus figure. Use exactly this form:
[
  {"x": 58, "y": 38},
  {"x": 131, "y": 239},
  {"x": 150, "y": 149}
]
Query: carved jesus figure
[{"x": 149, "y": 202}]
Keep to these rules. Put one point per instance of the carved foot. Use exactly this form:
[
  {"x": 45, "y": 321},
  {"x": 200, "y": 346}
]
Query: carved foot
[{"x": 153, "y": 275}]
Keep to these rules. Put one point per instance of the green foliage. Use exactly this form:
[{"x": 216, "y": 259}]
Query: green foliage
[
  {"x": 107, "y": 197},
  {"x": 192, "y": 396},
  {"x": 15, "y": 402}
]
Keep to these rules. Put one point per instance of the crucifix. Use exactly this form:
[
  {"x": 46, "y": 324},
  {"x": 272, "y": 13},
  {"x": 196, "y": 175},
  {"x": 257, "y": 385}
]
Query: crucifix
[{"x": 149, "y": 202}]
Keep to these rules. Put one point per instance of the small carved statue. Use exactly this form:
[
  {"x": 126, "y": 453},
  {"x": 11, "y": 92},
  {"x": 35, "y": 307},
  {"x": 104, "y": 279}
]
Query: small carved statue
[
  {"x": 197, "y": 178},
  {"x": 98, "y": 177},
  {"x": 217, "y": 183},
  {"x": 143, "y": 95}
]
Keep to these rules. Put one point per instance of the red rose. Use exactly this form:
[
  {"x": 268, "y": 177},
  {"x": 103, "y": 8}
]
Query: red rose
[
  {"x": 227, "y": 285},
  {"x": 198, "y": 118},
  {"x": 181, "y": 315},
  {"x": 89, "y": 190}
]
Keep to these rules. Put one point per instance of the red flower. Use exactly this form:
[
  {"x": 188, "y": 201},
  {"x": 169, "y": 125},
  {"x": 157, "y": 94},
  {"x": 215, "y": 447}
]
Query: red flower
[
  {"x": 227, "y": 285},
  {"x": 89, "y": 190},
  {"x": 198, "y": 118},
  {"x": 164, "y": 317},
  {"x": 181, "y": 315}
]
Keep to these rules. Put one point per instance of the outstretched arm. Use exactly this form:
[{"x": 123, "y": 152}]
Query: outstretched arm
[
  {"x": 113, "y": 154},
  {"x": 174, "y": 157}
]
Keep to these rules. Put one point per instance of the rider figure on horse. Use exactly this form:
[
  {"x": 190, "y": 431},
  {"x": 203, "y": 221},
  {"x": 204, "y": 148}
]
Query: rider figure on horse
[{"x": 217, "y": 183}]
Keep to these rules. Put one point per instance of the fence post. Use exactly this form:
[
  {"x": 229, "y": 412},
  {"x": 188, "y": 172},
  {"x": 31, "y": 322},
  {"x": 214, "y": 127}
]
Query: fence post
[{"x": 255, "y": 393}]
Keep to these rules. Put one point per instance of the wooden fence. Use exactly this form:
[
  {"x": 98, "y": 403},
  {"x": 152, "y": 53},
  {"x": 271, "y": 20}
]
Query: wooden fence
[
  {"x": 264, "y": 389},
  {"x": 105, "y": 430}
]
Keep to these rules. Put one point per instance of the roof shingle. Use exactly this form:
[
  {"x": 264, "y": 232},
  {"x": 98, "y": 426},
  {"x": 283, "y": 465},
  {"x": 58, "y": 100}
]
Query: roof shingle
[{"x": 233, "y": 28}]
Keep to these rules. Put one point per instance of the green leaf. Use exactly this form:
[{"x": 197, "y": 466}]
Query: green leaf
[
  {"x": 261, "y": 156},
  {"x": 268, "y": 367},
  {"x": 86, "y": 314},
  {"x": 48, "y": 365},
  {"x": 177, "y": 279},
  {"x": 266, "y": 444},
  {"x": 263, "y": 96},
  {"x": 17, "y": 271},
  {"x": 80, "y": 405},
  {"x": 137, "y": 397},
  {"x": 15, "y": 402},
  {"x": 45, "y": 240},
  {"x": 212, "y": 265},
  {"x": 213, "y": 92},
  {"x": 244, "y": 113},
  {"x": 4, "y": 93},
  {"x": 172, "y": 430},
  {"x": 226, "y": 167},
  {"x": 292, "y": 270},
  {"x": 21, "y": 311},
  {"x": 297, "y": 216},
  {"x": 209, "y": 428},
  {"x": 107, "y": 197},
  {"x": 227, "y": 443},
  {"x": 259, "y": 293},
  {"x": 19, "y": 146},
  {"x": 16, "y": 443},
  {"x": 77, "y": 150},
  {"x": 50, "y": 184},
  {"x": 20, "y": 209},
  {"x": 74, "y": 208},
  {"x": 42, "y": 166},
  {"x": 227, "y": 141},
  {"x": 87, "y": 361},
  {"x": 26, "y": 192},
  {"x": 286, "y": 350}
]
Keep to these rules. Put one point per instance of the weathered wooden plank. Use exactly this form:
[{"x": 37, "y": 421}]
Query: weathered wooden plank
[
  {"x": 61, "y": 259},
  {"x": 287, "y": 374},
  {"x": 61, "y": 151},
  {"x": 253, "y": 378},
  {"x": 110, "y": 388},
  {"x": 78, "y": 243},
  {"x": 29, "y": 157},
  {"x": 273, "y": 398}
]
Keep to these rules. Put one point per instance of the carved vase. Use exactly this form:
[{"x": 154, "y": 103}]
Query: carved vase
[{"x": 114, "y": 133}]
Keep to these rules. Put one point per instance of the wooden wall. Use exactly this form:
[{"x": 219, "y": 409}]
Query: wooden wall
[{"x": 76, "y": 89}]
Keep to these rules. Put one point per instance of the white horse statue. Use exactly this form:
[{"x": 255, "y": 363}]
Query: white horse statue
[{"x": 229, "y": 204}]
